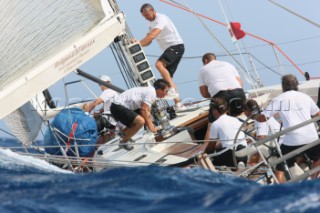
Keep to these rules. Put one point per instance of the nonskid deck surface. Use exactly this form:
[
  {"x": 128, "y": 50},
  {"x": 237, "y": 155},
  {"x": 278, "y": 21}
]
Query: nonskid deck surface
[{"x": 147, "y": 151}]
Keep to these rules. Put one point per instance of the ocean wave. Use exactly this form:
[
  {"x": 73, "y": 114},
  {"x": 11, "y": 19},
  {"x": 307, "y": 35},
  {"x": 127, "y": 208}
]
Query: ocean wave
[{"x": 32, "y": 185}]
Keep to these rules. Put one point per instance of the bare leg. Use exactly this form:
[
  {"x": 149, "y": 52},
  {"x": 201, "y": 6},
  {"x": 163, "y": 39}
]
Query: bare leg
[
  {"x": 207, "y": 136},
  {"x": 255, "y": 158},
  {"x": 161, "y": 67},
  {"x": 137, "y": 123},
  {"x": 314, "y": 165},
  {"x": 280, "y": 176}
]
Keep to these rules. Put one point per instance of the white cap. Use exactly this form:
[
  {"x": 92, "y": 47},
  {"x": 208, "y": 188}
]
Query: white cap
[{"x": 105, "y": 78}]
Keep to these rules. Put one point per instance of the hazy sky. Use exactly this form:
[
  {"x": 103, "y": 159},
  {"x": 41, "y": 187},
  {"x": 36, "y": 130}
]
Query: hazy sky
[{"x": 299, "y": 39}]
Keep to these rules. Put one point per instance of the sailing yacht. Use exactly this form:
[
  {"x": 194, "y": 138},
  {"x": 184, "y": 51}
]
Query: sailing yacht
[{"x": 47, "y": 46}]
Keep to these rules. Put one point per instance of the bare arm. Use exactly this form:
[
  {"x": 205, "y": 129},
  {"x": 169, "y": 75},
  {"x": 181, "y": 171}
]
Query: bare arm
[
  {"x": 240, "y": 81},
  {"x": 149, "y": 37},
  {"x": 260, "y": 118},
  {"x": 210, "y": 146},
  {"x": 92, "y": 105},
  {"x": 145, "y": 113},
  {"x": 317, "y": 114},
  {"x": 204, "y": 92}
]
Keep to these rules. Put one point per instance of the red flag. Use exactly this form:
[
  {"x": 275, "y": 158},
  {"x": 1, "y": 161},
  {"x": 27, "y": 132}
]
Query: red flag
[{"x": 235, "y": 30}]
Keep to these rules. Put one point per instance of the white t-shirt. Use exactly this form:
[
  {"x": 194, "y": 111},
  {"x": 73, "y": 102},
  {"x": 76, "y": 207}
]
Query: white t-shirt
[
  {"x": 108, "y": 96},
  {"x": 267, "y": 128},
  {"x": 294, "y": 108},
  {"x": 225, "y": 129},
  {"x": 217, "y": 76},
  {"x": 169, "y": 35},
  {"x": 133, "y": 98}
]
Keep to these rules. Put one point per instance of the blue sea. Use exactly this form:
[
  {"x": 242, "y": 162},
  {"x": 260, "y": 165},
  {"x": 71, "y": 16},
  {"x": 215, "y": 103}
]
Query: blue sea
[{"x": 31, "y": 185}]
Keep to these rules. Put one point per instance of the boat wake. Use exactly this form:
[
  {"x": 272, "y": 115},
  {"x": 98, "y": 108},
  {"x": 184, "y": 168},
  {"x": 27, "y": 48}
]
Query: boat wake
[{"x": 13, "y": 161}]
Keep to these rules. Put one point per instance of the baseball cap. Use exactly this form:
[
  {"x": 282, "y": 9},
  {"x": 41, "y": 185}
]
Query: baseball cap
[{"x": 105, "y": 78}]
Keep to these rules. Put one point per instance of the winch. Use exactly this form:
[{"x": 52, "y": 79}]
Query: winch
[{"x": 162, "y": 119}]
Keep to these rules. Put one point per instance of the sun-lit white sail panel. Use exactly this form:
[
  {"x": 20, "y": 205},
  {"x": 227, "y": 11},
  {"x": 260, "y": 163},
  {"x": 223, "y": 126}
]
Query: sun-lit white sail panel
[
  {"x": 43, "y": 44},
  {"x": 32, "y": 30}
]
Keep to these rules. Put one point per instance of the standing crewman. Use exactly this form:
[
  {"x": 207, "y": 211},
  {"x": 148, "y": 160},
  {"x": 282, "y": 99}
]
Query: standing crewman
[{"x": 163, "y": 30}]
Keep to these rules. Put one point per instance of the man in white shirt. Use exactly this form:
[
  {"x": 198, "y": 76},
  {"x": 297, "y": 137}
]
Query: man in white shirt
[
  {"x": 263, "y": 130},
  {"x": 106, "y": 97},
  {"x": 163, "y": 30},
  {"x": 294, "y": 107},
  {"x": 123, "y": 109},
  {"x": 219, "y": 79},
  {"x": 222, "y": 135}
]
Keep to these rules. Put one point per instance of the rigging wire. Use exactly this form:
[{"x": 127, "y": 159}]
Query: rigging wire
[
  {"x": 296, "y": 14},
  {"x": 251, "y": 82},
  {"x": 250, "y": 47},
  {"x": 253, "y": 67},
  {"x": 286, "y": 42},
  {"x": 120, "y": 65},
  {"x": 213, "y": 36},
  {"x": 194, "y": 142},
  {"x": 278, "y": 60},
  {"x": 7, "y": 132},
  {"x": 266, "y": 66},
  {"x": 247, "y": 33}
]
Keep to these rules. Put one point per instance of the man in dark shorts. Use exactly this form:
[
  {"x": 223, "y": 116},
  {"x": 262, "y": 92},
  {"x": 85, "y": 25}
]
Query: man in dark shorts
[
  {"x": 294, "y": 107},
  {"x": 163, "y": 30},
  {"x": 220, "y": 79},
  {"x": 313, "y": 154},
  {"x": 123, "y": 109}
]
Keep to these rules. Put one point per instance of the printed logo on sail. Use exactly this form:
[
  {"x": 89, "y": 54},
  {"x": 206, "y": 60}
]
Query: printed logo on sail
[{"x": 70, "y": 57}]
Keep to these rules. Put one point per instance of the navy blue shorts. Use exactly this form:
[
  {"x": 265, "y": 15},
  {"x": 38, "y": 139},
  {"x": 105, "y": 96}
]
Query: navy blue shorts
[
  {"x": 122, "y": 114},
  {"x": 313, "y": 154},
  {"x": 235, "y": 99},
  {"x": 226, "y": 159},
  {"x": 172, "y": 56}
]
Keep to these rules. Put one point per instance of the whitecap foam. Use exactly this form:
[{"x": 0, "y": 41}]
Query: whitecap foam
[{"x": 12, "y": 160}]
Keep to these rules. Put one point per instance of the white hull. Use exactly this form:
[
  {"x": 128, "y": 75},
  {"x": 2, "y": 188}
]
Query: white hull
[{"x": 146, "y": 152}]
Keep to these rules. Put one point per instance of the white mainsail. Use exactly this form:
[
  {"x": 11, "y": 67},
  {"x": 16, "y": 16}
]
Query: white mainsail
[{"x": 42, "y": 41}]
